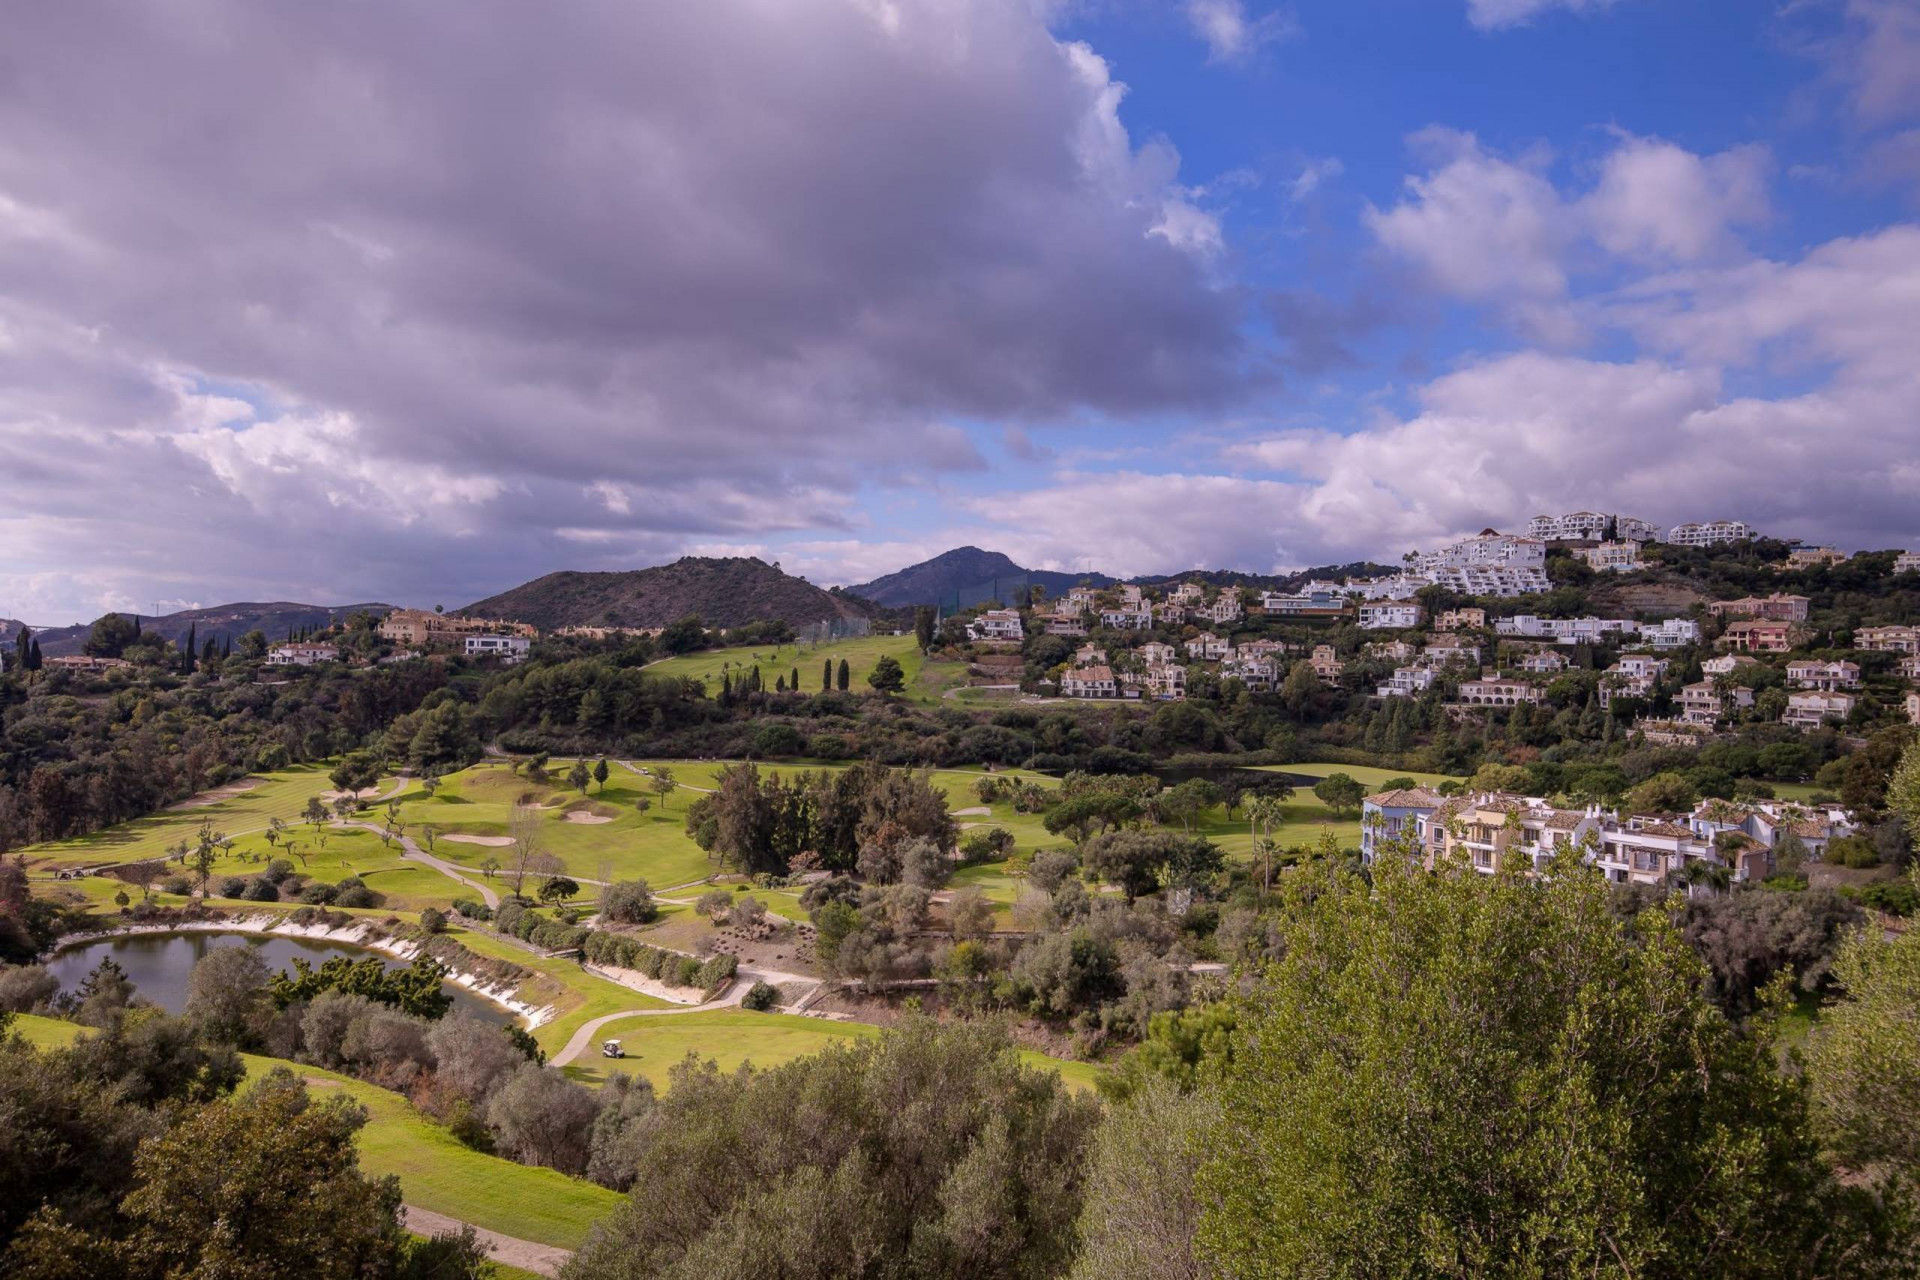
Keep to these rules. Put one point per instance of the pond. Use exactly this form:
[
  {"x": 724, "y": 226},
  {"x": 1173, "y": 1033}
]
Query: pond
[{"x": 158, "y": 964}]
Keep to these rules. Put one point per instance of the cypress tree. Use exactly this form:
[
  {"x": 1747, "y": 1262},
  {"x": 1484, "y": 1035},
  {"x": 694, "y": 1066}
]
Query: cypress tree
[
  {"x": 136, "y": 626},
  {"x": 793, "y": 680},
  {"x": 846, "y": 675},
  {"x": 187, "y": 651},
  {"x": 826, "y": 675},
  {"x": 33, "y": 658},
  {"x": 780, "y": 684}
]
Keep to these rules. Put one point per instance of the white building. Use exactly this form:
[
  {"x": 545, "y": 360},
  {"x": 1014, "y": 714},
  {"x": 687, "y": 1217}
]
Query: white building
[
  {"x": 1167, "y": 682},
  {"x": 1565, "y": 630},
  {"x": 1710, "y": 533},
  {"x": 1591, "y": 526},
  {"x": 1495, "y": 691},
  {"x": 1397, "y": 615},
  {"x": 1154, "y": 653},
  {"x": 1491, "y": 579},
  {"x": 1256, "y": 673},
  {"x": 996, "y": 624},
  {"x": 1225, "y": 607},
  {"x": 1670, "y": 633},
  {"x": 1449, "y": 651},
  {"x": 509, "y": 649},
  {"x": 1811, "y": 710},
  {"x": 1089, "y": 682},
  {"x": 1611, "y": 557},
  {"x": 1313, "y": 598},
  {"x": 1826, "y": 676},
  {"x": 1907, "y": 562},
  {"x": 1208, "y": 647},
  {"x": 1127, "y": 618},
  {"x": 1702, "y": 704},
  {"x": 1545, "y": 662},
  {"x": 1399, "y": 586},
  {"x": 1408, "y": 682},
  {"x": 1633, "y": 677},
  {"x": 301, "y": 655},
  {"x": 1888, "y": 639},
  {"x": 1487, "y": 548}
]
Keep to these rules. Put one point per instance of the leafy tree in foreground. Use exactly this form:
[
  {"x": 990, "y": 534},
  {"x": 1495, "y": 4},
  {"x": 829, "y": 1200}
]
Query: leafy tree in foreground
[
  {"x": 887, "y": 676},
  {"x": 1450, "y": 1074},
  {"x": 929, "y": 1152}
]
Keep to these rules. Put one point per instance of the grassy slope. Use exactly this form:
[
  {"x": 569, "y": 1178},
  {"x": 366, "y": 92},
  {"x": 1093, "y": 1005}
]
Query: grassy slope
[
  {"x": 435, "y": 1171},
  {"x": 775, "y": 661}
]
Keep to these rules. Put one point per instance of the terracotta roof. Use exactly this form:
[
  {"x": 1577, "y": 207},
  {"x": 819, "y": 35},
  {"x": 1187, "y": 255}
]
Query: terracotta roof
[
  {"x": 1660, "y": 828},
  {"x": 1091, "y": 675},
  {"x": 1406, "y": 798},
  {"x": 1565, "y": 819}
]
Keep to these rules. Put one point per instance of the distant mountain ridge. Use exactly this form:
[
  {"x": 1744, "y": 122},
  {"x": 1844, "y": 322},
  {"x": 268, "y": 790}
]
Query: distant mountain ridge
[
  {"x": 963, "y": 572},
  {"x": 725, "y": 591},
  {"x": 220, "y": 621}
]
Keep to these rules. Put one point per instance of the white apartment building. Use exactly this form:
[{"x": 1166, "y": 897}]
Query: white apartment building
[
  {"x": 1727, "y": 663},
  {"x": 1187, "y": 593},
  {"x": 1492, "y": 579},
  {"x": 509, "y": 649},
  {"x": 1632, "y": 677},
  {"x": 1225, "y": 608},
  {"x": 301, "y": 655},
  {"x": 1208, "y": 647},
  {"x": 996, "y": 624},
  {"x": 1256, "y": 673},
  {"x": 1545, "y": 662},
  {"x": 1670, "y": 633},
  {"x": 1062, "y": 622},
  {"x": 1127, "y": 618},
  {"x": 1702, "y": 704},
  {"x": 1399, "y": 586},
  {"x": 1910, "y": 667},
  {"x": 1888, "y": 639},
  {"x": 1710, "y": 533},
  {"x": 1591, "y": 526},
  {"x": 1313, "y": 598},
  {"x": 1486, "y": 548},
  {"x": 1326, "y": 663},
  {"x": 1382, "y": 615},
  {"x": 1811, "y": 710},
  {"x": 1808, "y": 673},
  {"x": 1446, "y": 651},
  {"x": 1565, "y": 630},
  {"x": 1461, "y": 620},
  {"x": 1408, "y": 682},
  {"x": 1154, "y": 653},
  {"x": 1167, "y": 682},
  {"x": 1907, "y": 562}
]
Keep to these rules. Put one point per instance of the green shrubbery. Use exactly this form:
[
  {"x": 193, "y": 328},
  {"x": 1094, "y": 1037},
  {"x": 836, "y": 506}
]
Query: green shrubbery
[
  {"x": 515, "y": 920},
  {"x": 676, "y": 970}
]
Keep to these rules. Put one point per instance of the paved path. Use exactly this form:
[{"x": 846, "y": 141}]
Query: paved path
[
  {"x": 584, "y": 1035},
  {"x": 541, "y": 1259},
  {"x": 414, "y": 853}
]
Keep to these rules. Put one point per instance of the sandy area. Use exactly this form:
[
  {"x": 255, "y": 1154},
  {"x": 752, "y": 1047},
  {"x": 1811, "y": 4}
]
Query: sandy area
[
  {"x": 364, "y": 793},
  {"x": 976, "y": 811},
  {"x": 587, "y": 819},
  {"x": 216, "y": 795},
  {"x": 492, "y": 842}
]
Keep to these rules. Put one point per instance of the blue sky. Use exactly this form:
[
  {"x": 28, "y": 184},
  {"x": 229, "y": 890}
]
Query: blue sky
[{"x": 474, "y": 292}]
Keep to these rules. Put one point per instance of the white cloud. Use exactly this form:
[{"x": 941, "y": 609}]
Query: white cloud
[
  {"x": 1493, "y": 15},
  {"x": 1234, "y": 36},
  {"x": 1656, "y": 200}
]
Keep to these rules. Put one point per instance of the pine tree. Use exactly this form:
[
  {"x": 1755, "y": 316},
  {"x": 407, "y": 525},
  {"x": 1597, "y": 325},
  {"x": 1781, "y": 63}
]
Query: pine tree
[
  {"x": 33, "y": 658},
  {"x": 726, "y": 689},
  {"x": 846, "y": 675},
  {"x": 779, "y": 684},
  {"x": 187, "y": 650},
  {"x": 793, "y": 679},
  {"x": 826, "y": 675},
  {"x": 210, "y": 651},
  {"x": 136, "y": 626}
]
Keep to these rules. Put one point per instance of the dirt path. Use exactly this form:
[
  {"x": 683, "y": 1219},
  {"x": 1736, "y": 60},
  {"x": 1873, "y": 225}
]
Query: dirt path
[
  {"x": 541, "y": 1259},
  {"x": 678, "y": 786}
]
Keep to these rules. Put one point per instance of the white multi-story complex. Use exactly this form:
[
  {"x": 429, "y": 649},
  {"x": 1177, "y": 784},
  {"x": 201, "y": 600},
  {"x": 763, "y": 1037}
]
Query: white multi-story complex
[
  {"x": 1544, "y": 662},
  {"x": 1062, "y": 622},
  {"x": 1313, "y": 598},
  {"x": 1811, "y": 710},
  {"x": 1710, "y": 533},
  {"x": 1127, "y": 618},
  {"x": 1888, "y": 639},
  {"x": 1255, "y": 672},
  {"x": 1167, "y": 681},
  {"x": 1632, "y": 677},
  {"x": 1487, "y": 548},
  {"x": 1154, "y": 653},
  {"x": 1702, "y": 704},
  {"x": 1493, "y": 691},
  {"x": 1208, "y": 647},
  {"x": 1492, "y": 579},
  {"x": 1591, "y": 526},
  {"x": 1399, "y": 586},
  {"x": 1907, "y": 562},
  {"x": 1565, "y": 630},
  {"x": 1379, "y": 615},
  {"x": 509, "y": 649},
  {"x": 996, "y": 624},
  {"x": 1408, "y": 682},
  {"x": 1449, "y": 651},
  {"x": 1225, "y": 608}
]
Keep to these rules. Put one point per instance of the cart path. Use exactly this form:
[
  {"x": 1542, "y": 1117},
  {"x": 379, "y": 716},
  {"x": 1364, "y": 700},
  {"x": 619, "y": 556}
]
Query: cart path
[
  {"x": 541, "y": 1259},
  {"x": 412, "y": 852},
  {"x": 584, "y": 1035}
]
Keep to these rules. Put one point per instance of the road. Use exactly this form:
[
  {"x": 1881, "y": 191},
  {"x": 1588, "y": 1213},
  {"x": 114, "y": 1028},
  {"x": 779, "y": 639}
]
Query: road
[
  {"x": 541, "y": 1259},
  {"x": 584, "y": 1036}
]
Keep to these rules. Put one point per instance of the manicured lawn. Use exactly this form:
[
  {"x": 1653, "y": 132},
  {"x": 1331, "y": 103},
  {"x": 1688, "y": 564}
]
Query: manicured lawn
[
  {"x": 279, "y": 795},
  {"x": 773, "y": 662},
  {"x": 1369, "y": 776},
  {"x": 435, "y": 1171}
]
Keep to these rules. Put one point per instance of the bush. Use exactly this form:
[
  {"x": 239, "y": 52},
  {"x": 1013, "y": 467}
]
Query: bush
[
  {"x": 179, "y": 885},
  {"x": 761, "y": 997},
  {"x": 628, "y": 902},
  {"x": 357, "y": 895},
  {"x": 277, "y": 870},
  {"x": 714, "y": 973},
  {"x": 1895, "y": 897},
  {"x": 685, "y": 969},
  {"x": 318, "y": 894},
  {"x": 1853, "y": 851},
  {"x": 230, "y": 887},
  {"x": 433, "y": 920},
  {"x": 261, "y": 889},
  {"x": 472, "y": 910}
]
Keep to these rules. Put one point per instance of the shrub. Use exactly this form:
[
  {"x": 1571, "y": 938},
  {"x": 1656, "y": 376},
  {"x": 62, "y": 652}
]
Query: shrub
[
  {"x": 277, "y": 870},
  {"x": 356, "y": 895},
  {"x": 230, "y": 887},
  {"x": 628, "y": 902},
  {"x": 472, "y": 910},
  {"x": 261, "y": 889},
  {"x": 761, "y": 997},
  {"x": 686, "y": 971},
  {"x": 318, "y": 894},
  {"x": 176, "y": 885},
  {"x": 468, "y": 1128},
  {"x": 1853, "y": 851},
  {"x": 433, "y": 920},
  {"x": 1895, "y": 897},
  {"x": 714, "y": 973}
]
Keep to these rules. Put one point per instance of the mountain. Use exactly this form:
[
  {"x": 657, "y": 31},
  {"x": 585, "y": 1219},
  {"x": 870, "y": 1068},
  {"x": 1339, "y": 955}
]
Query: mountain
[
  {"x": 224, "y": 621},
  {"x": 725, "y": 591},
  {"x": 965, "y": 576}
]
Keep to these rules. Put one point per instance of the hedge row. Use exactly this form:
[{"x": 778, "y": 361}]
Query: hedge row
[
  {"x": 542, "y": 931},
  {"x": 670, "y": 967}
]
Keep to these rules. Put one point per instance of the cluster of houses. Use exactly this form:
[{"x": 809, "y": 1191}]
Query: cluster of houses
[
  {"x": 422, "y": 631},
  {"x": 1489, "y": 830}
]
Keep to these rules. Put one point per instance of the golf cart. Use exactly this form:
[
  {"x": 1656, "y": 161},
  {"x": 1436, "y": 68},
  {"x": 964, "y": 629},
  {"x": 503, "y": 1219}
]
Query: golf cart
[{"x": 612, "y": 1049}]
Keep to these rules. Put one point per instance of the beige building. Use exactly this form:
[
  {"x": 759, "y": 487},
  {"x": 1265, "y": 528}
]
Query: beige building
[{"x": 421, "y": 629}]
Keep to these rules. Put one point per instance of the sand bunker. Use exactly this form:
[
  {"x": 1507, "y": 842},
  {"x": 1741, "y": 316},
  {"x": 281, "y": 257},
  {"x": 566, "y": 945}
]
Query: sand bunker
[
  {"x": 364, "y": 793},
  {"x": 588, "y": 819},
  {"x": 492, "y": 842},
  {"x": 974, "y": 812}
]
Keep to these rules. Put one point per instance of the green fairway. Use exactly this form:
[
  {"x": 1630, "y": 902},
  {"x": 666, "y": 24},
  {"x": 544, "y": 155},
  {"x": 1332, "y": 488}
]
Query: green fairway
[
  {"x": 576, "y": 995},
  {"x": 777, "y": 661},
  {"x": 436, "y": 1172},
  {"x": 1369, "y": 776}
]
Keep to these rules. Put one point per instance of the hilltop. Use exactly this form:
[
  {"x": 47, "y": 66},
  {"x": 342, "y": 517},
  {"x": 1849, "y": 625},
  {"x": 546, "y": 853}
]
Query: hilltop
[
  {"x": 725, "y": 591},
  {"x": 221, "y": 621},
  {"x": 968, "y": 574}
]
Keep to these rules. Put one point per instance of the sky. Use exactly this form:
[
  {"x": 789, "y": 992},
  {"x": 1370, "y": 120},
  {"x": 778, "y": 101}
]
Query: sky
[{"x": 412, "y": 302}]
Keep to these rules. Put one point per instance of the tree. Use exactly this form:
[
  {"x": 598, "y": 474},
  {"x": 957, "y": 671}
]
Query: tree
[
  {"x": 1142, "y": 1209},
  {"x": 227, "y": 996},
  {"x": 1340, "y": 793},
  {"x": 887, "y": 677},
  {"x": 661, "y": 780},
  {"x": 1298, "y": 690},
  {"x": 1395, "y": 1104},
  {"x": 601, "y": 773},
  {"x": 1903, "y": 791},
  {"x": 525, "y": 827},
  {"x": 579, "y": 776},
  {"x": 1662, "y": 793},
  {"x": 110, "y": 635},
  {"x": 558, "y": 889},
  {"x": 844, "y": 676},
  {"x": 544, "y": 1118},
  {"x": 826, "y": 675},
  {"x": 1864, "y": 1056},
  {"x": 970, "y": 1167},
  {"x": 923, "y": 624},
  {"x": 206, "y": 851}
]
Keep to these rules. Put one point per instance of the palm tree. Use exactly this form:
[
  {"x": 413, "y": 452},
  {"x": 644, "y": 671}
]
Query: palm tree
[
  {"x": 1262, "y": 813},
  {"x": 1703, "y": 873}
]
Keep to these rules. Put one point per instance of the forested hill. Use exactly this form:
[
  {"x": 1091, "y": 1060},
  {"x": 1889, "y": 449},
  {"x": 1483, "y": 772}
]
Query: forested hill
[
  {"x": 724, "y": 591},
  {"x": 961, "y": 570},
  {"x": 277, "y": 619}
]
